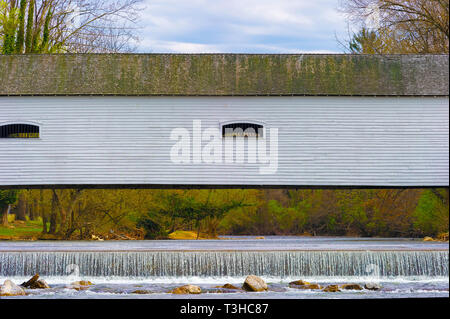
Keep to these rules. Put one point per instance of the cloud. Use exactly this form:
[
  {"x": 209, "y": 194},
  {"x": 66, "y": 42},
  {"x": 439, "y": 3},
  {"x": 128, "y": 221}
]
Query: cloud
[
  {"x": 179, "y": 47},
  {"x": 239, "y": 26}
]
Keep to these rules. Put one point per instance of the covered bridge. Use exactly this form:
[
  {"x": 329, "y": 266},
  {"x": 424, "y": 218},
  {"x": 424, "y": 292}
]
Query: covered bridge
[{"x": 224, "y": 120}]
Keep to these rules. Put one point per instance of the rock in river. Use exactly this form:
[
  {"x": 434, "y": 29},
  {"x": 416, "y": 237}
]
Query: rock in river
[
  {"x": 141, "y": 292},
  {"x": 372, "y": 286},
  {"x": 11, "y": 289},
  {"x": 298, "y": 283},
  {"x": 351, "y": 287},
  {"x": 35, "y": 283},
  {"x": 310, "y": 286},
  {"x": 187, "y": 289},
  {"x": 254, "y": 283},
  {"x": 40, "y": 284},
  {"x": 332, "y": 288},
  {"x": 82, "y": 283}
]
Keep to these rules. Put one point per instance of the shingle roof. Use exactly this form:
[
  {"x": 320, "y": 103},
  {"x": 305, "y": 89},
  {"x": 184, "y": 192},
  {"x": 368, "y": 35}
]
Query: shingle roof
[{"x": 224, "y": 74}]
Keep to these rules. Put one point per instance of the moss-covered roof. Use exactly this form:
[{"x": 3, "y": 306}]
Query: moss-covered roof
[{"x": 223, "y": 74}]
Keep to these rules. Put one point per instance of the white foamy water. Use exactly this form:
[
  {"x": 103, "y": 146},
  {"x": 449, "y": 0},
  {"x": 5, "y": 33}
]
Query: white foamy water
[{"x": 405, "y": 268}]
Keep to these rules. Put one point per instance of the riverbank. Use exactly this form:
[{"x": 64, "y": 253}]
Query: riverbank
[{"x": 31, "y": 230}]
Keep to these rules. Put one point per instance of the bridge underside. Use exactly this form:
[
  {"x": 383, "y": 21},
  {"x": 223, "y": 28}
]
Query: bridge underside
[{"x": 212, "y": 186}]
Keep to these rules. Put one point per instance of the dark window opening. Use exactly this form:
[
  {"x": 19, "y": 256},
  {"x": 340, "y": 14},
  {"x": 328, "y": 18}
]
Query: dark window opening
[
  {"x": 19, "y": 131},
  {"x": 242, "y": 130}
]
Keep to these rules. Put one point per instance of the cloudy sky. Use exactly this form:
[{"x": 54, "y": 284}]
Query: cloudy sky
[{"x": 241, "y": 26}]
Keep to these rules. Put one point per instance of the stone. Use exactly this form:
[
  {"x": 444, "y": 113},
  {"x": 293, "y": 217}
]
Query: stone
[
  {"x": 11, "y": 289},
  {"x": 31, "y": 282},
  {"x": 40, "y": 284},
  {"x": 254, "y": 283},
  {"x": 309, "y": 286},
  {"x": 351, "y": 287},
  {"x": 299, "y": 283},
  {"x": 187, "y": 289},
  {"x": 428, "y": 239},
  {"x": 332, "y": 288},
  {"x": 96, "y": 238},
  {"x": 82, "y": 283},
  {"x": 141, "y": 292},
  {"x": 35, "y": 283},
  {"x": 372, "y": 286}
]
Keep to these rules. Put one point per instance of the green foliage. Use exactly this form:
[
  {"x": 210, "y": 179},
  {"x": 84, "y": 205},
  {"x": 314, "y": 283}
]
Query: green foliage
[
  {"x": 190, "y": 211},
  {"x": 153, "y": 230},
  {"x": 27, "y": 229},
  {"x": 21, "y": 31},
  {"x": 8, "y": 197},
  {"x": 365, "y": 42},
  {"x": 46, "y": 33},
  {"x": 29, "y": 29},
  {"x": 8, "y": 24},
  {"x": 76, "y": 214},
  {"x": 431, "y": 214}
]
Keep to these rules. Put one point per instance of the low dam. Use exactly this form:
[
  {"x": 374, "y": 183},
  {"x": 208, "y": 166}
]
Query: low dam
[
  {"x": 404, "y": 268},
  {"x": 225, "y": 264}
]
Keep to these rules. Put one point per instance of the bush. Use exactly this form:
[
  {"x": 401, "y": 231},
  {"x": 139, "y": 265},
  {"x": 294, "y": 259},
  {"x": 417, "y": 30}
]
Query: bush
[
  {"x": 431, "y": 215},
  {"x": 152, "y": 229}
]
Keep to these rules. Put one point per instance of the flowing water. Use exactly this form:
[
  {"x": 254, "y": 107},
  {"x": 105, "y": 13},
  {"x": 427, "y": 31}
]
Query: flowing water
[{"x": 404, "y": 268}]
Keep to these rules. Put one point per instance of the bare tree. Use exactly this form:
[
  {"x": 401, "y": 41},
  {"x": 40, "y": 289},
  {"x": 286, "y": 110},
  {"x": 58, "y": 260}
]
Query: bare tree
[{"x": 405, "y": 26}]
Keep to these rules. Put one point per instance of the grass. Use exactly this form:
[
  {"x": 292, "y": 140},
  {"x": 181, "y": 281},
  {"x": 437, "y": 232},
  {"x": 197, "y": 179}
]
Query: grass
[
  {"x": 182, "y": 234},
  {"x": 18, "y": 230}
]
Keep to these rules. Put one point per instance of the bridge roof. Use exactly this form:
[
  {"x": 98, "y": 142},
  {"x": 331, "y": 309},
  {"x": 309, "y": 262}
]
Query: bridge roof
[{"x": 224, "y": 74}]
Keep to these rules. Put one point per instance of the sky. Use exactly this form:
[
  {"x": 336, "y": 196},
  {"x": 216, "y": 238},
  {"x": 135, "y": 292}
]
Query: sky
[{"x": 241, "y": 26}]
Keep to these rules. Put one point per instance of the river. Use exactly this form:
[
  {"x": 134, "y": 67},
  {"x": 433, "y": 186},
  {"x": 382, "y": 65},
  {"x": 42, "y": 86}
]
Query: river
[{"x": 405, "y": 268}]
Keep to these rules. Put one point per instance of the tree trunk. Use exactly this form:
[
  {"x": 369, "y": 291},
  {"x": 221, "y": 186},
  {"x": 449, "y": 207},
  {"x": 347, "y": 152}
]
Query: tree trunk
[
  {"x": 43, "y": 213},
  {"x": 34, "y": 209},
  {"x": 4, "y": 211},
  {"x": 198, "y": 229},
  {"x": 44, "y": 224},
  {"x": 65, "y": 213},
  {"x": 52, "y": 229},
  {"x": 21, "y": 208},
  {"x": 29, "y": 210}
]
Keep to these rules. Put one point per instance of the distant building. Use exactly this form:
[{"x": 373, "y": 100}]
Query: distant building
[{"x": 175, "y": 120}]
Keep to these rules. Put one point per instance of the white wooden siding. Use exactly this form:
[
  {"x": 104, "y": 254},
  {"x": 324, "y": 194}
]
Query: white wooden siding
[{"x": 328, "y": 141}]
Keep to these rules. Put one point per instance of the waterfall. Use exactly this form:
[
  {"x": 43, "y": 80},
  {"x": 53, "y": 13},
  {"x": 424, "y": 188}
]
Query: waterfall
[{"x": 227, "y": 263}]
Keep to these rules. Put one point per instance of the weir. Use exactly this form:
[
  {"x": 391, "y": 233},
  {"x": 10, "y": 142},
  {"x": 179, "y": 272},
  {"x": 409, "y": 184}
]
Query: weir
[{"x": 227, "y": 263}]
